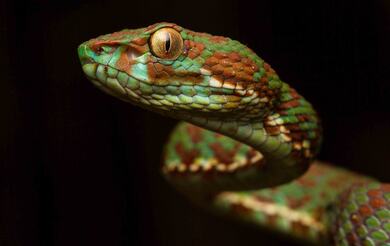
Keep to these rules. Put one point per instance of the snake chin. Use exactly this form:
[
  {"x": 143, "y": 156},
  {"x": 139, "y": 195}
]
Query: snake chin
[
  {"x": 118, "y": 84},
  {"x": 99, "y": 75}
]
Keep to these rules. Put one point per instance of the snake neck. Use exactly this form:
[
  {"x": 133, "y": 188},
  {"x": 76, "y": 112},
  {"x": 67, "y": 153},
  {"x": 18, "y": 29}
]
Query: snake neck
[{"x": 288, "y": 136}]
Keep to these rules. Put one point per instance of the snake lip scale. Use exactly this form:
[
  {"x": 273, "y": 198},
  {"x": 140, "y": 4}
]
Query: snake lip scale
[{"x": 247, "y": 142}]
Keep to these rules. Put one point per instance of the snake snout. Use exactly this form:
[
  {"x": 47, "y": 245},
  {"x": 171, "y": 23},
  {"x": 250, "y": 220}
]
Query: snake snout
[{"x": 85, "y": 54}]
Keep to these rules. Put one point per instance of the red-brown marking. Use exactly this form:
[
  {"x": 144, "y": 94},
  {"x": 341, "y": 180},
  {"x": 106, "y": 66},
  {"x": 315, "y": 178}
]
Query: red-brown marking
[
  {"x": 96, "y": 44},
  {"x": 193, "y": 49},
  {"x": 234, "y": 57},
  {"x": 250, "y": 154},
  {"x": 272, "y": 130},
  {"x": 272, "y": 219},
  {"x": 374, "y": 192},
  {"x": 140, "y": 41},
  {"x": 319, "y": 213},
  {"x": 266, "y": 66},
  {"x": 223, "y": 155},
  {"x": 199, "y": 34},
  {"x": 152, "y": 28},
  {"x": 162, "y": 74},
  {"x": 231, "y": 66},
  {"x": 218, "y": 39},
  {"x": 186, "y": 156},
  {"x": 385, "y": 188},
  {"x": 239, "y": 209},
  {"x": 365, "y": 210},
  {"x": 211, "y": 61},
  {"x": 377, "y": 202},
  {"x": 307, "y": 182},
  {"x": 299, "y": 228},
  {"x": 303, "y": 117},
  {"x": 263, "y": 199},
  {"x": 195, "y": 133},
  {"x": 297, "y": 203},
  {"x": 123, "y": 63},
  {"x": 294, "y": 127},
  {"x": 352, "y": 238},
  {"x": 217, "y": 69},
  {"x": 289, "y": 104}
]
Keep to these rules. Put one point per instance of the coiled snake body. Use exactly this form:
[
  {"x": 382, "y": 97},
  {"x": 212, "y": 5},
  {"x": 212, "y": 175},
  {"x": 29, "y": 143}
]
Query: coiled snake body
[{"x": 248, "y": 143}]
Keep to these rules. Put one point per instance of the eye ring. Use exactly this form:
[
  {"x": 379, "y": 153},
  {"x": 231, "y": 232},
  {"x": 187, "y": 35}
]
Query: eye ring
[{"x": 166, "y": 43}]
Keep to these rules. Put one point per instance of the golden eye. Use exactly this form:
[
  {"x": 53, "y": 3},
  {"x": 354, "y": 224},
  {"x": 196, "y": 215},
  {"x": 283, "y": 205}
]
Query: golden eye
[{"x": 166, "y": 43}]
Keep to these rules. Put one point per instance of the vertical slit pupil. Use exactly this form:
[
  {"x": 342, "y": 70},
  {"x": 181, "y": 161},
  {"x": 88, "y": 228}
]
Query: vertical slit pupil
[{"x": 167, "y": 42}]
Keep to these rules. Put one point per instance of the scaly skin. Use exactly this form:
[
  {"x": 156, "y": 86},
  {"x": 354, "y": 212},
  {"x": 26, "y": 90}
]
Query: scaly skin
[{"x": 260, "y": 133}]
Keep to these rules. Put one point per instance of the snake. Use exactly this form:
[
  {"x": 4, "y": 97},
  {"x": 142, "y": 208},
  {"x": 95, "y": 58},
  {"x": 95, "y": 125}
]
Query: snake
[{"x": 246, "y": 143}]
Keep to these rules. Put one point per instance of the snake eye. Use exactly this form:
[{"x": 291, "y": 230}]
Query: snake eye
[{"x": 166, "y": 43}]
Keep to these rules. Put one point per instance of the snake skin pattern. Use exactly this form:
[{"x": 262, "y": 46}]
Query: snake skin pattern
[{"x": 248, "y": 145}]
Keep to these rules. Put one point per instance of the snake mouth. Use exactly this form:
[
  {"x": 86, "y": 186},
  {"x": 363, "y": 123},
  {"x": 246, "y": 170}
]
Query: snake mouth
[{"x": 126, "y": 87}]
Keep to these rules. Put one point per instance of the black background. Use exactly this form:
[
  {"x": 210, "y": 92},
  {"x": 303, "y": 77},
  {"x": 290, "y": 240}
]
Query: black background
[{"x": 79, "y": 167}]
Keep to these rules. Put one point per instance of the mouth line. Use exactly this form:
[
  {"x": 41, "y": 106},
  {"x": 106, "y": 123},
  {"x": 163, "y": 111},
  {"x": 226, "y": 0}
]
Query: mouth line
[
  {"x": 129, "y": 89},
  {"x": 121, "y": 83},
  {"x": 120, "y": 88},
  {"x": 90, "y": 61},
  {"x": 100, "y": 77},
  {"x": 239, "y": 91}
]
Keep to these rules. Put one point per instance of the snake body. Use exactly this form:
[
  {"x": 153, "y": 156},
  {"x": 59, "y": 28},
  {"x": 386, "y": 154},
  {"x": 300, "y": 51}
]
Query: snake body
[{"x": 247, "y": 145}]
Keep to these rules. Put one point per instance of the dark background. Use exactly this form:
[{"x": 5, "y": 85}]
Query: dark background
[{"x": 79, "y": 167}]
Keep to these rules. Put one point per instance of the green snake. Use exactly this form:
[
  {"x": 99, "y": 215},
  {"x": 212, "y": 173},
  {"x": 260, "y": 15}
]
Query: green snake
[{"x": 247, "y": 141}]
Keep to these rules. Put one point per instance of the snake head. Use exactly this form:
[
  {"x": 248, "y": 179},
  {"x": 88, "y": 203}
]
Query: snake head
[
  {"x": 213, "y": 82},
  {"x": 167, "y": 68}
]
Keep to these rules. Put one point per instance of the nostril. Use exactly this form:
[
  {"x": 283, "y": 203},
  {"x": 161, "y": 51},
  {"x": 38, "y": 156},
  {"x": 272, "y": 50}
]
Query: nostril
[
  {"x": 85, "y": 54},
  {"x": 98, "y": 50}
]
